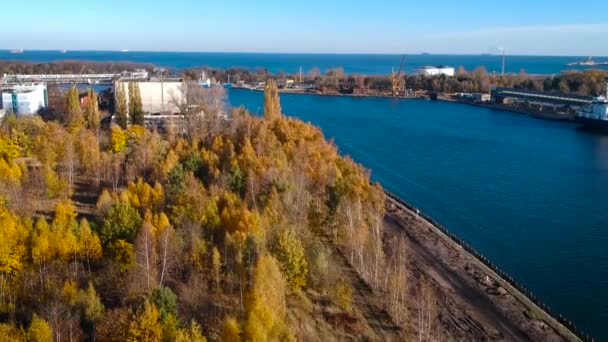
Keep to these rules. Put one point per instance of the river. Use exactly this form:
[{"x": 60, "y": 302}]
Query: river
[{"x": 531, "y": 195}]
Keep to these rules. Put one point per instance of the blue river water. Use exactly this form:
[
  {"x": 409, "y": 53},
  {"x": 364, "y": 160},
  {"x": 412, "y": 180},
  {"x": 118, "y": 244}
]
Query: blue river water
[
  {"x": 363, "y": 64},
  {"x": 529, "y": 194}
]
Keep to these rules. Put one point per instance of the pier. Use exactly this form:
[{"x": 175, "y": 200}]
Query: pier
[{"x": 9, "y": 80}]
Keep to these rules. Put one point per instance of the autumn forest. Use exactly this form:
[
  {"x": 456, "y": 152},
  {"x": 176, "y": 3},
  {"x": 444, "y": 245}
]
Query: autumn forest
[{"x": 226, "y": 230}]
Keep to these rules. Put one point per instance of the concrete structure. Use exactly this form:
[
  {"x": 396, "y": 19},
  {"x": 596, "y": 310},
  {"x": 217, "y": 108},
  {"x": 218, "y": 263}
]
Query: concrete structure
[
  {"x": 157, "y": 96},
  {"x": 510, "y": 95},
  {"x": 25, "y": 99},
  {"x": 436, "y": 70},
  {"x": 139, "y": 74},
  {"x": 473, "y": 97}
]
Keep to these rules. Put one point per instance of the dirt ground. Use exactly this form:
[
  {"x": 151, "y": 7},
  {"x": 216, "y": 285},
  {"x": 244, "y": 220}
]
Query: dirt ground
[{"x": 472, "y": 305}]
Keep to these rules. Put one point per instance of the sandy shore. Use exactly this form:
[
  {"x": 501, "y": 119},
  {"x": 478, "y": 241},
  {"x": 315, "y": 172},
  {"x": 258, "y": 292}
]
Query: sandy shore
[{"x": 474, "y": 302}]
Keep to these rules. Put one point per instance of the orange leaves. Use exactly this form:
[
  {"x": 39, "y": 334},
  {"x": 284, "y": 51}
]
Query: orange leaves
[
  {"x": 142, "y": 196},
  {"x": 235, "y": 217},
  {"x": 12, "y": 243}
]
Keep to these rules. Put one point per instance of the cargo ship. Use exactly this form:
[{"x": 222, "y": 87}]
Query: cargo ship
[
  {"x": 595, "y": 115},
  {"x": 587, "y": 63}
]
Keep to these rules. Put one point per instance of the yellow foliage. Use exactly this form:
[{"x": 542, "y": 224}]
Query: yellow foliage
[
  {"x": 235, "y": 217},
  {"x": 104, "y": 202},
  {"x": 123, "y": 254},
  {"x": 265, "y": 303},
  {"x": 39, "y": 331},
  {"x": 70, "y": 293},
  {"x": 89, "y": 244},
  {"x": 142, "y": 196},
  {"x": 42, "y": 250},
  {"x": 193, "y": 334},
  {"x": 9, "y": 333},
  {"x": 146, "y": 326},
  {"x": 171, "y": 161},
  {"x": 231, "y": 331},
  {"x": 12, "y": 242},
  {"x": 8, "y": 149},
  {"x": 55, "y": 186},
  {"x": 10, "y": 172},
  {"x": 118, "y": 140},
  {"x": 136, "y": 131},
  {"x": 290, "y": 254}
]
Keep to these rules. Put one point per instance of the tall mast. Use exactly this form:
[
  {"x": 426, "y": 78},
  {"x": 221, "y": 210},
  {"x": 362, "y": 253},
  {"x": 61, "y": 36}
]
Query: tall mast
[{"x": 503, "y": 62}]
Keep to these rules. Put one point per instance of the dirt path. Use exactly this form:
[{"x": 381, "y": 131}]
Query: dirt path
[
  {"x": 367, "y": 303},
  {"x": 472, "y": 303}
]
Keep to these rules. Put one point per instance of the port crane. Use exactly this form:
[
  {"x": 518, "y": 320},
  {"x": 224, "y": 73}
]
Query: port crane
[{"x": 398, "y": 80}]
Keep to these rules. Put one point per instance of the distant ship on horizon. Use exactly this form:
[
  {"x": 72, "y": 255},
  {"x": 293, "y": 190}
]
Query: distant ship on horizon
[
  {"x": 16, "y": 51},
  {"x": 587, "y": 63}
]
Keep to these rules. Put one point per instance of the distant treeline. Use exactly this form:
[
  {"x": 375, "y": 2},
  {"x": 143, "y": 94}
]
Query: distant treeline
[
  {"x": 69, "y": 67},
  {"x": 588, "y": 83}
]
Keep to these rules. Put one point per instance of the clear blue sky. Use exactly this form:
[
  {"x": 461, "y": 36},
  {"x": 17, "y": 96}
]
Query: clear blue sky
[{"x": 553, "y": 27}]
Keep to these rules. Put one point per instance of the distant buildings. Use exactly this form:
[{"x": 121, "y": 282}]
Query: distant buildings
[
  {"x": 511, "y": 96},
  {"x": 436, "y": 70},
  {"x": 473, "y": 97},
  {"x": 24, "y": 99}
]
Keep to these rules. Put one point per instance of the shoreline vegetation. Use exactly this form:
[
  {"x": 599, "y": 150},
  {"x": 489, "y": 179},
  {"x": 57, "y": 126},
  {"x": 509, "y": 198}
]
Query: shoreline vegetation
[
  {"x": 336, "y": 81},
  {"x": 244, "y": 230}
]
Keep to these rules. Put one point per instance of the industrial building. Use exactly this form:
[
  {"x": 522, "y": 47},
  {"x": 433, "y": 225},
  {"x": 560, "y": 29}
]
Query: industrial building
[
  {"x": 436, "y": 70},
  {"x": 473, "y": 97},
  {"x": 157, "y": 95},
  {"x": 539, "y": 99},
  {"x": 24, "y": 99}
]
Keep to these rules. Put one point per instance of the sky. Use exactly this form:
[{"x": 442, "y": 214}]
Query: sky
[{"x": 525, "y": 27}]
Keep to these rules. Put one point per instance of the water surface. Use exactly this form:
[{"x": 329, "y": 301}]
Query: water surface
[{"x": 366, "y": 64}]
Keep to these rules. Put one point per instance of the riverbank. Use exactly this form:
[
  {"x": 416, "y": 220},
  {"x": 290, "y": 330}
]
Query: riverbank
[
  {"x": 292, "y": 91},
  {"x": 534, "y": 114},
  {"x": 475, "y": 302}
]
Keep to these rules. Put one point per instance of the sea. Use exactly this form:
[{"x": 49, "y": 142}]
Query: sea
[
  {"x": 361, "y": 64},
  {"x": 530, "y": 195}
]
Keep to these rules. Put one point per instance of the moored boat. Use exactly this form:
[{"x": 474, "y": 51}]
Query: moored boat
[{"x": 595, "y": 115}]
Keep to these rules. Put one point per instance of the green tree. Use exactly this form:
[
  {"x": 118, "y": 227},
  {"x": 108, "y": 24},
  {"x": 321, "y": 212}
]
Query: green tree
[
  {"x": 136, "y": 112},
  {"x": 121, "y": 223},
  {"x": 74, "y": 112},
  {"x": 92, "y": 115},
  {"x": 121, "y": 106},
  {"x": 272, "y": 105},
  {"x": 166, "y": 302},
  {"x": 289, "y": 252},
  {"x": 90, "y": 302}
]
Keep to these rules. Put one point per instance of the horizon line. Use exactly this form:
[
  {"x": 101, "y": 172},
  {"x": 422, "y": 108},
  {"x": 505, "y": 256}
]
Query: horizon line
[{"x": 126, "y": 51}]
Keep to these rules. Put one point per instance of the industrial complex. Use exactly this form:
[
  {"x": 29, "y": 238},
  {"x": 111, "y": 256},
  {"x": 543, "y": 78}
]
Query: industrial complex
[{"x": 24, "y": 99}]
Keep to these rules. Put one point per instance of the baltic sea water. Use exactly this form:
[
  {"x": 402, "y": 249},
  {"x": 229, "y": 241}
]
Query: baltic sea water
[{"x": 364, "y": 64}]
